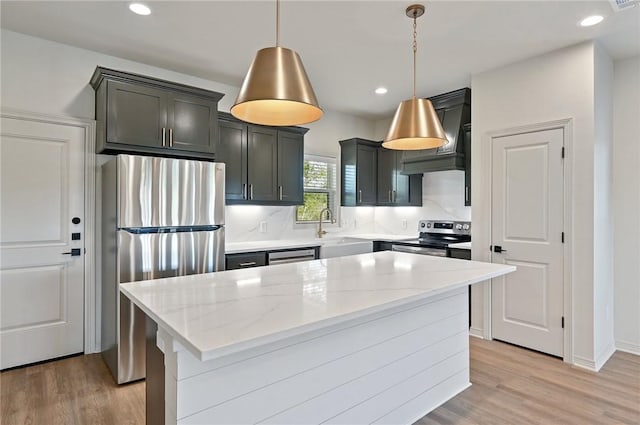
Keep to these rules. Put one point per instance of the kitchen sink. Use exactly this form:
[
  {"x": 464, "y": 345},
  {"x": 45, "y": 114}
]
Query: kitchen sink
[{"x": 340, "y": 247}]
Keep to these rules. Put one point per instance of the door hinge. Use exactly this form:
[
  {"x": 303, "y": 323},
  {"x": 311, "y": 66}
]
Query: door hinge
[
  {"x": 562, "y": 237},
  {"x": 563, "y": 152},
  {"x": 562, "y": 322}
]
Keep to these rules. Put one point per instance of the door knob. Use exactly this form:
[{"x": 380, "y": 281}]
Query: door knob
[
  {"x": 75, "y": 252},
  {"x": 498, "y": 248},
  {"x": 75, "y": 220}
]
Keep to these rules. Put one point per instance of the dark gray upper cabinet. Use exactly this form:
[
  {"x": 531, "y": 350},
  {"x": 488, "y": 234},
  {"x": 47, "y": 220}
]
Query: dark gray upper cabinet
[
  {"x": 263, "y": 164},
  {"x": 386, "y": 176},
  {"x": 454, "y": 111},
  {"x": 371, "y": 175},
  {"x": 138, "y": 114},
  {"x": 192, "y": 123},
  {"x": 232, "y": 150},
  {"x": 467, "y": 168},
  {"x": 290, "y": 176},
  {"x": 359, "y": 169},
  {"x": 395, "y": 188}
]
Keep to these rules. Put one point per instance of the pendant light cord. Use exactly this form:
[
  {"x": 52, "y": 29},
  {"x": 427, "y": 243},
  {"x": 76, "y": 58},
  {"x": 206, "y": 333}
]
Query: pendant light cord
[
  {"x": 415, "y": 50},
  {"x": 277, "y": 23}
]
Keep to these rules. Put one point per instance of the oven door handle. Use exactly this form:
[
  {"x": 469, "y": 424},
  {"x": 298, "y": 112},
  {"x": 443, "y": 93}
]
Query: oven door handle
[{"x": 436, "y": 252}]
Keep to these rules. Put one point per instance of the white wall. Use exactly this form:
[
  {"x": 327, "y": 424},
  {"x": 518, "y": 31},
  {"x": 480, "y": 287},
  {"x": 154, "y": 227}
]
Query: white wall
[
  {"x": 604, "y": 344},
  {"x": 626, "y": 202},
  {"x": 554, "y": 86}
]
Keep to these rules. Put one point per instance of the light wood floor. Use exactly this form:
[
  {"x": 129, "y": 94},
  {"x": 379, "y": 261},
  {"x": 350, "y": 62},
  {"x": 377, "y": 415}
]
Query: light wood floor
[{"x": 510, "y": 386}]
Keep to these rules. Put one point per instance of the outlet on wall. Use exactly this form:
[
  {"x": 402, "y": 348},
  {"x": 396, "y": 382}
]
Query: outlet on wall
[
  {"x": 404, "y": 224},
  {"x": 263, "y": 227}
]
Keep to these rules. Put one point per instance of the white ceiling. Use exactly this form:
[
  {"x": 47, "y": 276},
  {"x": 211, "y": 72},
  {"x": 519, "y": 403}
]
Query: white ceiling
[{"x": 348, "y": 47}]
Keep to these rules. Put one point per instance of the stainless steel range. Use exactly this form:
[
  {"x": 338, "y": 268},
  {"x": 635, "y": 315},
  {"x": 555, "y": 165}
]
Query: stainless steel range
[{"x": 435, "y": 236}]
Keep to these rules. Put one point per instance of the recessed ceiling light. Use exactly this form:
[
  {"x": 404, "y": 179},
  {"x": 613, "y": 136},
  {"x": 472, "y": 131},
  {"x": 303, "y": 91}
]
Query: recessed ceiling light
[
  {"x": 140, "y": 9},
  {"x": 591, "y": 20},
  {"x": 381, "y": 90}
]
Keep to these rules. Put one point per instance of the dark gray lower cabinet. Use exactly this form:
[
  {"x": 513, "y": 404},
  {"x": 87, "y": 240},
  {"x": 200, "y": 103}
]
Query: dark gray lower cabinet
[
  {"x": 246, "y": 260},
  {"x": 381, "y": 246},
  {"x": 143, "y": 115},
  {"x": 463, "y": 254},
  {"x": 264, "y": 165}
]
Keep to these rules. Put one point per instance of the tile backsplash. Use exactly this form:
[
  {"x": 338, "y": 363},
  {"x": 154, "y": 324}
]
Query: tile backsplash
[{"x": 442, "y": 199}]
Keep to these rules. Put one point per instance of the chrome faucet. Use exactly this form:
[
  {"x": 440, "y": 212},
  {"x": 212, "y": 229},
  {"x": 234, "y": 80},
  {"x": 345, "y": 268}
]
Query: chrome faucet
[{"x": 329, "y": 217}]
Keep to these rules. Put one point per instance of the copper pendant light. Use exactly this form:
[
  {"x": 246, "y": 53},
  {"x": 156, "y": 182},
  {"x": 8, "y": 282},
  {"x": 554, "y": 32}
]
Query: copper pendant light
[
  {"x": 276, "y": 90},
  {"x": 415, "y": 125}
]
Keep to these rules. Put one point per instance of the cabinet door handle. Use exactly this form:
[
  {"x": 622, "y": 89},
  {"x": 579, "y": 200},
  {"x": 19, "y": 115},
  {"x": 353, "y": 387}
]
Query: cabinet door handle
[
  {"x": 466, "y": 194},
  {"x": 394, "y": 196},
  {"x": 280, "y": 192},
  {"x": 250, "y": 191},
  {"x": 171, "y": 137},
  {"x": 164, "y": 137},
  {"x": 359, "y": 195},
  {"x": 248, "y": 264},
  {"x": 244, "y": 191}
]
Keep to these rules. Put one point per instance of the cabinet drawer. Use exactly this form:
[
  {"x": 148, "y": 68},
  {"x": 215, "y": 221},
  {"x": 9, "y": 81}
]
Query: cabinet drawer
[
  {"x": 246, "y": 260},
  {"x": 464, "y": 254}
]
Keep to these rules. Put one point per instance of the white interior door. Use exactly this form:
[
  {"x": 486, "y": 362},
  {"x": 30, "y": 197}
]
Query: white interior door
[
  {"x": 527, "y": 223},
  {"x": 41, "y": 287}
]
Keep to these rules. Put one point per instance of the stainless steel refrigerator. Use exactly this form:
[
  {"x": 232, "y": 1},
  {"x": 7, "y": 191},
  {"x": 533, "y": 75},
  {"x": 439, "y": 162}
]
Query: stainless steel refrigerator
[{"x": 161, "y": 217}]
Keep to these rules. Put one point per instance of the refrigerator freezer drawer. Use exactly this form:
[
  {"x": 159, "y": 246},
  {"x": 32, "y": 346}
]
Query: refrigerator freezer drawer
[
  {"x": 166, "y": 192},
  {"x": 148, "y": 256}
]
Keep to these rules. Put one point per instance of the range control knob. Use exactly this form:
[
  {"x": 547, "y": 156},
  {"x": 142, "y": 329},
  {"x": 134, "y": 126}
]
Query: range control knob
[
  {"x": 466, "y": 227},
  {"x": 422, "y": 225},
  {"x": 458, "y": 226},
  {"x": 429, "y": 225}
]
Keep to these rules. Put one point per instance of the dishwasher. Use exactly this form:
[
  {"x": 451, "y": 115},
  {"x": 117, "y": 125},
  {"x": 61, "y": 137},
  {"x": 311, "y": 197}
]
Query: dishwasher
[{"x": 291, "y": 256}]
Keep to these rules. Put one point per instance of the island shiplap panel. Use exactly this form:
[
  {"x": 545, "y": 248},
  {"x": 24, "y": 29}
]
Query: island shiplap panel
[
  {"x": 328, "y": 406},
  {"x": 362, "y": 375},
  {"x": 312, "y": 381},
  {"x": 427, "y": 401},
  {"x": 398, "y": 334}
]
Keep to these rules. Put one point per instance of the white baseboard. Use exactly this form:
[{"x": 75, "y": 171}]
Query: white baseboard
[
  {"x": 628, "y": 347},
  {"x": 605, "y": 355},
  {"x": 584, "y": 363},
  {"x": 595, "y": 365},
  {"x": 476, "y": 332}
]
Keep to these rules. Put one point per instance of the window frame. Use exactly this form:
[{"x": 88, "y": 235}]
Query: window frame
[{"x": 333, "y": 192}]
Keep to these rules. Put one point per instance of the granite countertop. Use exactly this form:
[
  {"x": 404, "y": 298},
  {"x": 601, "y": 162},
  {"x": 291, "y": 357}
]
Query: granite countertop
[
  {"x": 223, "y": 313},
  {"x": 460, "y": 245},
  {"x": 240, "y": 247}
]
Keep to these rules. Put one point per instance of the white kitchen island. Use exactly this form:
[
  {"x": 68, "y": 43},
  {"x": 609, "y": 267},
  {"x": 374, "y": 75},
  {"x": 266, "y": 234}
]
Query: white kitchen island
[{"x": 370, "y": 338}]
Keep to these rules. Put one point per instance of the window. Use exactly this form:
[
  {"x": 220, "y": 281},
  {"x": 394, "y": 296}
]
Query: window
[{"x": 319, "y": 188}]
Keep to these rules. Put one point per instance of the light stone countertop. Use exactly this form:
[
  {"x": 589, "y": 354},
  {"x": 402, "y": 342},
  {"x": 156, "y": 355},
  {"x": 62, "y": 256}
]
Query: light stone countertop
[
  {"x": 460, "y": 245},
  {"x": 223, "y": 313},
  {"x": 240, "y": 247}
]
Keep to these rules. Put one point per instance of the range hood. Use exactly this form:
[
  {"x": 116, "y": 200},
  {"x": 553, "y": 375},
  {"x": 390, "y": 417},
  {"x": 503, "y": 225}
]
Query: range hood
[{"x": 454, "y": 111}]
